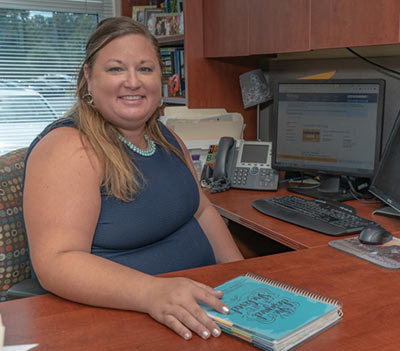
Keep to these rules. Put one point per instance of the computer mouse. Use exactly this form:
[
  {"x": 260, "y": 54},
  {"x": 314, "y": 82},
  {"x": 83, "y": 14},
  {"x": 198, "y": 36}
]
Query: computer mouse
[{"x": 374, "y": 235}]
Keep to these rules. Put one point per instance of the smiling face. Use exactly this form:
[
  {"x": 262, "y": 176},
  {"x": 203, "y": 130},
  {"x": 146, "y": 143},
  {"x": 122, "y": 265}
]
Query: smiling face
[{"x": 125, "y": 81}]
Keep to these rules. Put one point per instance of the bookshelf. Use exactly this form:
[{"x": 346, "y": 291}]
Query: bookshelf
[
  {"x": 174, "y": 65},
  {"x": 172, "y": 52},
  {"x": 172, "y": 40}
]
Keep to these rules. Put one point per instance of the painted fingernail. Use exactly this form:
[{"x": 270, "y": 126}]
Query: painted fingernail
[
  {"x": 205, "y": 334},
  {"x": 216, "y": 332},
  {"x": 225, "y": 309},
  {"x": 187, "y": 336}
]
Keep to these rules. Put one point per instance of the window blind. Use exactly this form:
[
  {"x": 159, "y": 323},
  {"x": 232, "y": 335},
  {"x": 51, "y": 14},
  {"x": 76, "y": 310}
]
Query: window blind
[{"x": 42, "y": 44}]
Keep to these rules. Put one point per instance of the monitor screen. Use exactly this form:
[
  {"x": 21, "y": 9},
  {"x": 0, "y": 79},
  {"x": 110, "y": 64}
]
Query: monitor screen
[
  {"x": 330, "y": 127},
  {"x": 385, "y": 184}
]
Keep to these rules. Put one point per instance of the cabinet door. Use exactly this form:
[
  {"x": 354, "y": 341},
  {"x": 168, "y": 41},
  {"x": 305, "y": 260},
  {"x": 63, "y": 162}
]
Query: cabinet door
[
  {"x": 279, "y": 26},
  {"x": 225, "y": 28},
  {"x": 345, "y": 23}
]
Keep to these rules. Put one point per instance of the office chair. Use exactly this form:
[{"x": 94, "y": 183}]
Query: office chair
[{"x": 15, "y": 267}]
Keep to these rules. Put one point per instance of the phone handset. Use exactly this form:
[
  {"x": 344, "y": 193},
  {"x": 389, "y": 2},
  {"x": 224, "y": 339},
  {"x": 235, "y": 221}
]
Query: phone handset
[{"x": 226, "y": 148}]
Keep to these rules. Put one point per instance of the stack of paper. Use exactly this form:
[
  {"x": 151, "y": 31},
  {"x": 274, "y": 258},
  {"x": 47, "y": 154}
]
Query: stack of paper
[{"x": 200, "y": 128}]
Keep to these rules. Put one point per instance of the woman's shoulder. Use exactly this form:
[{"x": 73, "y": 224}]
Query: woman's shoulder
[
  {"x": 59, "y": 135},
  {"x": 62, "y": 154},
  {"x": 62, "y": 138},
  {"x": 63, "y": 146},
  {"x": 68, "y": 121}
]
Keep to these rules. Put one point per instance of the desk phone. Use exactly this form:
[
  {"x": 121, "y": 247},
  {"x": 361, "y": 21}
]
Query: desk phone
[{"x": 246, "y": 164}]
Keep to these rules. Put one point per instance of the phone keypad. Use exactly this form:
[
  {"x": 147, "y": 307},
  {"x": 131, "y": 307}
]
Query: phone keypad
[
  {"x": 240, "y": 176},
  {"x": 254, "y": 177}
]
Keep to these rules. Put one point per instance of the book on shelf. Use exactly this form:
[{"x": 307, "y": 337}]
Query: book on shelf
[
  {"x": 173, "y": 73},
  {"x": 271, "y": 314}
]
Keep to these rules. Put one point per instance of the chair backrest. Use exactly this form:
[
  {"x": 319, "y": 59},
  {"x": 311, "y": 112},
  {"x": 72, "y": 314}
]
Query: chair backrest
[{"x": 14, "y": 258}]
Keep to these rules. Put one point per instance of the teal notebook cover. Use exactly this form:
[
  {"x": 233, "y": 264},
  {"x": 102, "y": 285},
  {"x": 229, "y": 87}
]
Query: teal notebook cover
[{"x": 269, "y": 308}]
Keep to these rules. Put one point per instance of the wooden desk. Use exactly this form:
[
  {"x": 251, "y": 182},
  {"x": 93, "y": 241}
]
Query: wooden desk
[
  {"x": 370, "y": 296},
  {"x": 235, "y": 205}
]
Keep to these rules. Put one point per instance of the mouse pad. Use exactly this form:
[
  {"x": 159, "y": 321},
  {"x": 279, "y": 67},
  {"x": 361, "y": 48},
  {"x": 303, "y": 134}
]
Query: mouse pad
[{"x": 386, "y": 255}]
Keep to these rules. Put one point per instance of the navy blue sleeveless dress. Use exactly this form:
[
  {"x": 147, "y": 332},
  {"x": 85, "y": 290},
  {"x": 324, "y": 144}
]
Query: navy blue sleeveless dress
[{"x": 156, "y": 232}]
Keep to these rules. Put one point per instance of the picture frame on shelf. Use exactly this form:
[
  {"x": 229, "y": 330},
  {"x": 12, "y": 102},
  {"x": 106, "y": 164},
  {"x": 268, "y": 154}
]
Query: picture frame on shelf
[
  {"x": 167, "y": 24},
  {"x": 138, "y": 12},
  {"x": 150, "y": 18}
]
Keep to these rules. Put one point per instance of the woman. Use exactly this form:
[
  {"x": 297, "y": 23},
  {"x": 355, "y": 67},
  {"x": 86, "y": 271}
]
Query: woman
[{"x": 110, "y": 197}]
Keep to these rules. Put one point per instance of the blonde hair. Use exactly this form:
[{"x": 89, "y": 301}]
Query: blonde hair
[{"x": 121, "y": 175}]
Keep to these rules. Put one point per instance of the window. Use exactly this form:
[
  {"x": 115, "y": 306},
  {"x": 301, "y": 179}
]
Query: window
[{"x": 42, "y": 44}]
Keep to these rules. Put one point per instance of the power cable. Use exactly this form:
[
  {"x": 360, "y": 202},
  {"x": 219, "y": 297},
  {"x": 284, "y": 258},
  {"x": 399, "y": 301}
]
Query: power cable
[{"x": 372, "y": 62}]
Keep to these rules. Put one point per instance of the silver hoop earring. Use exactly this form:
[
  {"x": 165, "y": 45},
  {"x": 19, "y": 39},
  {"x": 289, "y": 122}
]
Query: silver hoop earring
[
  {"x": 88, "y": 98},
  {"x": 161, "y": 102}
]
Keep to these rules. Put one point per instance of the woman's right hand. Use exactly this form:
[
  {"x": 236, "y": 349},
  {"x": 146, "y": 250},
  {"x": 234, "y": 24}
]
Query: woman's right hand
[{"x": 174, "y": 302}]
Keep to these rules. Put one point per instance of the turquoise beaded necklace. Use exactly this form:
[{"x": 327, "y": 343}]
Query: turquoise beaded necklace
[{"x": 149, "y": 152}]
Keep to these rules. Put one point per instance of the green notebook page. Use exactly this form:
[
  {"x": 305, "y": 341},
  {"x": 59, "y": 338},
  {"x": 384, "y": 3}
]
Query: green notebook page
[{"x": 266, "y": 310}]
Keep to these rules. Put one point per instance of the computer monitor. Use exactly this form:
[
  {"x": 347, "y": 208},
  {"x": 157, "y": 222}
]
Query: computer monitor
[
  {"x": 385, "y": 183},
  {"x": 329, "y": 128}
]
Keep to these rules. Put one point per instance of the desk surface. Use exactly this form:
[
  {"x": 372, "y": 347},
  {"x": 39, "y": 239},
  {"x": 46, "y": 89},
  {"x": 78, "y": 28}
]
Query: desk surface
[
  {"x": 370, "y": 296},
  {"x": 236, "y": 206}
]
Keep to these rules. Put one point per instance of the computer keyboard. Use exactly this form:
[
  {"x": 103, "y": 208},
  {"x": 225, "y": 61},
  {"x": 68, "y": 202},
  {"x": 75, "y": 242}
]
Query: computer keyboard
[{"x": 319, "y": 215}]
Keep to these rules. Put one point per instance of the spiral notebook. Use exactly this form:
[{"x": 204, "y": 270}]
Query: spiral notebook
[{"x": 273, "y": 315}]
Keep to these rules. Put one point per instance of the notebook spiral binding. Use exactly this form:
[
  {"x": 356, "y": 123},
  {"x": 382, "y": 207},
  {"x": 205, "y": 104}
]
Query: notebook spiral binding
[{"x": 296, "y": 290}]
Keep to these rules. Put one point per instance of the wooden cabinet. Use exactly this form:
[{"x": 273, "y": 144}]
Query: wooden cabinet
[
  {"x": 279, "y": 26},
  {"x": 241, "y": 28},
  {"x": 346, "y": 23},
  {"x": 254, "y": 27},
  {"x": 226, "y": 29}
]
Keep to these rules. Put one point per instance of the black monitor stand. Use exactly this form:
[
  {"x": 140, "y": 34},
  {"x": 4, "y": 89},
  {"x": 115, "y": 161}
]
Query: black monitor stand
[
  {"x": 329, "y": 188},
  {"x": 387, "y": 211}
]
